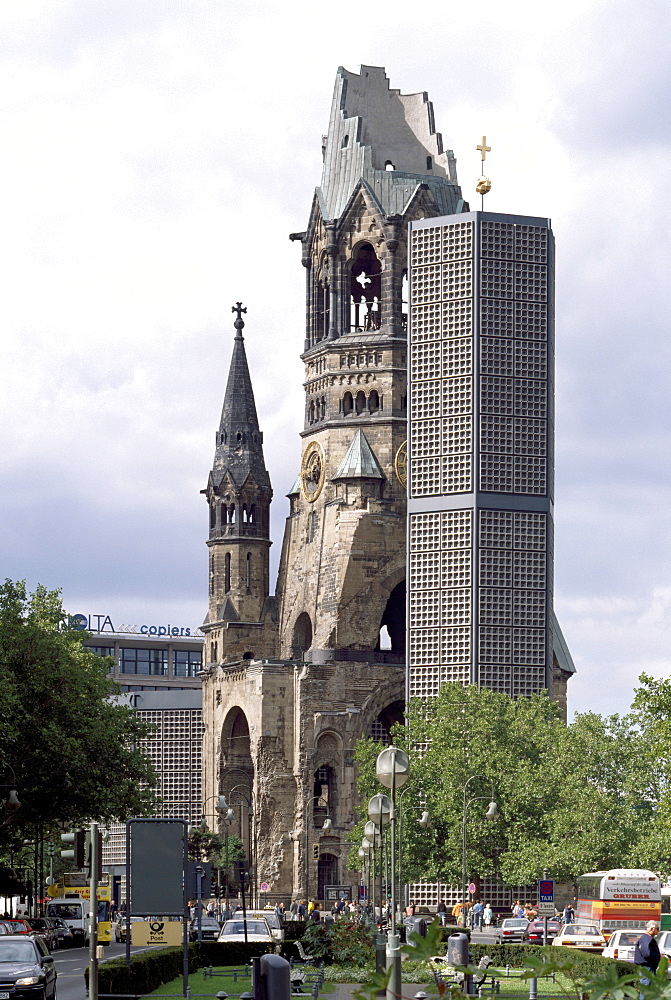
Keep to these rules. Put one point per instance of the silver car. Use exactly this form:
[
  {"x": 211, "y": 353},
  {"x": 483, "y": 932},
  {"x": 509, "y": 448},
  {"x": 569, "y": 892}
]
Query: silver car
[{"x": 257, "y": 930}]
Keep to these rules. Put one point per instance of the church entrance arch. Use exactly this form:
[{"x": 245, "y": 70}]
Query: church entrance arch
[
  {"x": 327, "y": 873},
  {"x": 236, "y": 777},
  {"x": 380, "y": 727}
]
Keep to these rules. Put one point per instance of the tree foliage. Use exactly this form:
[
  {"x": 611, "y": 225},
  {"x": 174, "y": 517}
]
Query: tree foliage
[
  {"x": 74, "y": 753},
  {"x": 572, "y": 799}
]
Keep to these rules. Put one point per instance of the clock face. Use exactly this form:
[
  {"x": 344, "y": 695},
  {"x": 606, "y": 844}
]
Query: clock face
[
  {"x": 401, "y": 465},
  {"x": 312, "y": 471}
]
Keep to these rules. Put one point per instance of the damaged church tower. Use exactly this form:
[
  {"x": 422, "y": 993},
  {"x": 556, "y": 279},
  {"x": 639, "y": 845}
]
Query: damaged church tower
[{"x": 291, "y": 683}]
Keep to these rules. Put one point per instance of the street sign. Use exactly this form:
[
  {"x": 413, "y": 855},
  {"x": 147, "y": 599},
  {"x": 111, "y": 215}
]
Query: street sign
[
  {"x": 546, "y": 897},
  {"x": 264, "y": 887},
  {"x": 156, "y": 932},
  {"x": 471, "y": 888}
]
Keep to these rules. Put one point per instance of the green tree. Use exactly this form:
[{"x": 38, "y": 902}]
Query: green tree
[
  {"x": 220, "y": 851},
  {"x": 75, "y": 754},
  {"x": 569, "y": 797}
]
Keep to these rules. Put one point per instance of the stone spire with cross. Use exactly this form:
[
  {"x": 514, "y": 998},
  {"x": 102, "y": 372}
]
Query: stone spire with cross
[{"x": 239, "y": 494}]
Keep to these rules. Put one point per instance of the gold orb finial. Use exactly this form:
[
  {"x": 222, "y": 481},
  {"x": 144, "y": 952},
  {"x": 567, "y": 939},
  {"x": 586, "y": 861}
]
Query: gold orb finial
[{"x": 483, "y": 186}]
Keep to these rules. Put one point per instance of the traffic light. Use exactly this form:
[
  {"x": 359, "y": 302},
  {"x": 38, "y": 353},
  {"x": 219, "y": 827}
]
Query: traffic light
[
  {"x": 77, "y": 851},
  {"x": 87, "y": 854}
]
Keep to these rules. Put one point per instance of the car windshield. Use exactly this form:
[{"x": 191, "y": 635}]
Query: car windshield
[
  {"x": 630, "y": 938},
  {"x": 575, "y": 930},
  {"x": 17, "y": 951},
  {"x": 68, "y": 911},
  {"x": 238, "y": 927}
]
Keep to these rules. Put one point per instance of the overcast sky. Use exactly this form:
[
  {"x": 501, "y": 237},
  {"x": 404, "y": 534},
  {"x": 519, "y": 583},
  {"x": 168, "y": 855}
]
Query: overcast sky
[{"x": 154, "y": 158}]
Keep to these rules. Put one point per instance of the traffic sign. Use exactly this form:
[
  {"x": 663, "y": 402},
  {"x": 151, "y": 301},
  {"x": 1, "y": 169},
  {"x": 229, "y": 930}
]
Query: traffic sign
[
  {"x": 471, "y": 888},
  {"x": 546, "y": 897},
  {"x": 264, "y": 887}
]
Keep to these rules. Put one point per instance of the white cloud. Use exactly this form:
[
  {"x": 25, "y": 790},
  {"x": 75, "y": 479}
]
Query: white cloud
[{"x": 156, "y": 157}]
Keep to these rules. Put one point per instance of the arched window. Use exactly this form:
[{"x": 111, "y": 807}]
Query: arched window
[
  {"x": 360, "y": 402},
  {"x": 373, "y": 401},
  {"x": 231, "y": 514},
  {"x": 311, "y": 416},
  {"x": 429, "y": 163},
  {"x": 345, "y": 142},
  {"x": 347, "y": 403},
  {"x": 252, "y": 514},
  {"x": 248, "y": 572},
  {"x": 389, "y": 165},
  {"x": 227, "y": 572},
  {"x": 213, "y": 515},
  {"x": 365, "y": 288},
  {"x": 302, "y": 638}
]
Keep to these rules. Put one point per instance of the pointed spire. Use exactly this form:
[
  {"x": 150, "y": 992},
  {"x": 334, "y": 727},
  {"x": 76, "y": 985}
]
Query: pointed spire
[
  {"x": 360, "y": 461},
  {"x": 239, "y": 440}
]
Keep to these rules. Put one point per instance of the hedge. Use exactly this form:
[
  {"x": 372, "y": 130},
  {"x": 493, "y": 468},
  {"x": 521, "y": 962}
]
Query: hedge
[
  {"x": 151, "y": 969},
  {"x": 515, "y": 955}
]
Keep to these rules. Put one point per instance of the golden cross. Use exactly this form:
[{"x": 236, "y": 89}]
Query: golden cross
[{"x": 484, "y": 148}]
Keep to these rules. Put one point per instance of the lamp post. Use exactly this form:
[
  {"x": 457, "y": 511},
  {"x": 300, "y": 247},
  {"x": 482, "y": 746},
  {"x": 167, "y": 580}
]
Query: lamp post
[
  {"x": 10, "y": 805},
  {"x": 380, "y": 811},
  {"x": 491, "y": 814},
  {"x": 393, "y": 769},
  {"x": 425, "y": 822},
  {"x": 226, "y": 815},
  {"x": 248, "y": 798}
]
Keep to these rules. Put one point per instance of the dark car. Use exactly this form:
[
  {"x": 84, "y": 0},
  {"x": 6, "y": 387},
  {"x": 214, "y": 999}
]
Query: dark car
[
  {"x": 534, "y": 931},
  {"x": 27, "y": 969},
  {"x": 209, "y": 929},
  {"x": 44, "y": 929},
  {"x": 65, "y": 936}
]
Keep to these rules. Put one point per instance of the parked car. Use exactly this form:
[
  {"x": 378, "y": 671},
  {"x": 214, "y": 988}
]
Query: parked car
[
  {"x": 44, "y": 929},
  {"x": 120, "y": 926},
  {"x": 210, "y": 929},
  {"x": 583, "y": 936},
  {"x": 621, "y": 944},
  {"x": 512, "y": 929},
  {"x": 274, "y": 922},
  {"x": 19, "y": 926},
  {"x": 65, "y": 936},
  {"x": 534, "y": 931},
  {"x": 27, "y": 969},
  {"x": 257, "y": 930},
  {"x": 664, "y": 942}
]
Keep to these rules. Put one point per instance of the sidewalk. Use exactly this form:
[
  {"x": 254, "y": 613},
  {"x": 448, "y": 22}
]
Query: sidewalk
[{"x": 408, "y": 991}]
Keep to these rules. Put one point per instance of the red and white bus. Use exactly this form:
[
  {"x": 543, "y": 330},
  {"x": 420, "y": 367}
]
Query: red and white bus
[{"x": 622, "y": 897}]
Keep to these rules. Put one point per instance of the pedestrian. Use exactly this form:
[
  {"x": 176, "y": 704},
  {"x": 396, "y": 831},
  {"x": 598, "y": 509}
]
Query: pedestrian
[
  {"x": 568, "y": 914},
  {"x": 302, "y": 911},
  {"x": 488, "y": 915},
  {"x": 478, "y": 911},
  {"x": 315, "y": 913},
  {"x": 646, "y": 953},
  {"x": 441, "y": 910}
]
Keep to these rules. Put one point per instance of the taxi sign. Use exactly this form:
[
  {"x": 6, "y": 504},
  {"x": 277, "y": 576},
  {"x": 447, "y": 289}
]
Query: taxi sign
[{"x": 546, "y": 897}]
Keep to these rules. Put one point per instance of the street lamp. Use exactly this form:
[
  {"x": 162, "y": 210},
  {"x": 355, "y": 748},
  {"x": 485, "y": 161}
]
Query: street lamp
[
  {"x": 10, "y": 805},
  {"x": 247, "y": 794},
  {"x": 393, "y": 769},
  {"x": 491, "y": 814}
]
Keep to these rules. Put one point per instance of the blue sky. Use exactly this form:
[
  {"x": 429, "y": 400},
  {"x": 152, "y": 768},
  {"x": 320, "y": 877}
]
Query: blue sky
[{"x": 155, "y": 157}]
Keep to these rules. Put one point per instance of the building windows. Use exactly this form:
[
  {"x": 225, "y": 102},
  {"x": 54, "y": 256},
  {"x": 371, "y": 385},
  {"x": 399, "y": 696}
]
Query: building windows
[
  {"x": 143, "y": 661},
  {"x": 186, "y": 662},
  {"x": 102, "y": 650}
]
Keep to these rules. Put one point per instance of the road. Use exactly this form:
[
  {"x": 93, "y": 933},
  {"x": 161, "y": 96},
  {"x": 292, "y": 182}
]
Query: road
[{"x": 70, "y": 965}]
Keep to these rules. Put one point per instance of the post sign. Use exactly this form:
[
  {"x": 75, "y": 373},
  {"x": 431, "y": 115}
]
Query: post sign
[
  {"x": 264, "y": 887},
  {"x": 546, "y": 897},
  {"x": 156, "y": 932}
]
